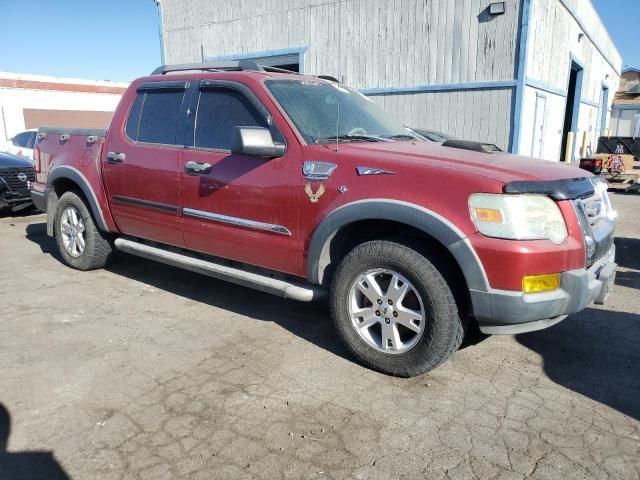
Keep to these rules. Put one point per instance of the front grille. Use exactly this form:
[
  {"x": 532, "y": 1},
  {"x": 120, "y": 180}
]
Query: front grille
[
  {"x": 596, "y": 218},
  {"x": 12, "y": 179}
]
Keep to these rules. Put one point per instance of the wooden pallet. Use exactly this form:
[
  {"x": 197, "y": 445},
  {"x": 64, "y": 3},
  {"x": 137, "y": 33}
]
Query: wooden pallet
[{"x": 624, "y": 182}]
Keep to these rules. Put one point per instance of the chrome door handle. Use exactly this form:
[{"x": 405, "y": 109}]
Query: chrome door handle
[
  {"x": 197, "y": 167},
  {"x": 115, "y": 157}
]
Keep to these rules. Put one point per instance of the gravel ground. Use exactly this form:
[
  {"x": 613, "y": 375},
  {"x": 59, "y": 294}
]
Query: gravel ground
[{"x": 146, "y": 371}]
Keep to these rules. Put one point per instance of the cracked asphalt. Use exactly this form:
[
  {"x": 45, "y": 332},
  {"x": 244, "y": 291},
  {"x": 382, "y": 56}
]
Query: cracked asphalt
[{"x": 146, "y": 371}]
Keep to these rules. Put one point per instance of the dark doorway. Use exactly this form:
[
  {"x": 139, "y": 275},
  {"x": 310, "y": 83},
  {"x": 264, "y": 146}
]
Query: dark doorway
[{"x": 571, "y": 109}]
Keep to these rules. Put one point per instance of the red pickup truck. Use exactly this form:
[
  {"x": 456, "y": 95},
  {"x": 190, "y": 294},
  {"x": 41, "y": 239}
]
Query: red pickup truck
[{"x": 300, "y": 186}]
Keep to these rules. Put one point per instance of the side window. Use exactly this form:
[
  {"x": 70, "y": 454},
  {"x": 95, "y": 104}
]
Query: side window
[
  {"x": 133, "y": 120},
  {"x": 154, "y": 116},
  {"x": 32, "y": 139},
  {"x": 219, "y": 111},
  {"x": 21, "y": 140}
]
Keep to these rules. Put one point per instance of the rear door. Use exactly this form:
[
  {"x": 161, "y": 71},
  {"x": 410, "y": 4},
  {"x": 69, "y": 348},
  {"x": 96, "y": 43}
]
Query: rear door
[
  {"x": 140, "y": 163},
  {"x": 238, "y": 206}
]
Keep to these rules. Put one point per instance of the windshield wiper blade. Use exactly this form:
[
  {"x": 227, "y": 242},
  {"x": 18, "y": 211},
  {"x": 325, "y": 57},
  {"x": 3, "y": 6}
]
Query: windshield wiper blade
[{"x": 366, "y": 138}]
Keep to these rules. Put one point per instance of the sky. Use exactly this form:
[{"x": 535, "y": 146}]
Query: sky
[
  {"x": 99, "y": 40},
  {"x": 118, "y": 39},
  {"x": 622, "y": 19}
]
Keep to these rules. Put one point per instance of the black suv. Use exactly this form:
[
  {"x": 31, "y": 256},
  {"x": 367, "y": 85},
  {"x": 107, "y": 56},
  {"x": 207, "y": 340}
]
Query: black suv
[{"x": 16, "y": 174}]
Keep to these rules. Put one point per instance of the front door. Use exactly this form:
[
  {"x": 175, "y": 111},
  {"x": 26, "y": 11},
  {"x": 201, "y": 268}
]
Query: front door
[
  {"x": 239, "y": 207},
  {"x": 140, "y": 165}
]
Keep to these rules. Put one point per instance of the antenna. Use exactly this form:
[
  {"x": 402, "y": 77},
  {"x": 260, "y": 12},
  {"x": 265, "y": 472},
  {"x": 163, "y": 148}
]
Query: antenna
[{"x": 337, "y": 123}]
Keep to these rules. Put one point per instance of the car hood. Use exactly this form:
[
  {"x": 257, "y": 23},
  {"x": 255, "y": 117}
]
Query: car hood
[
  {"x": 503, "y": 167},
  {"x": 11, "y": 161}
]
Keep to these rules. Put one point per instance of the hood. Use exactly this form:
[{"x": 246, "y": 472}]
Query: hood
[
  {"x": 11, "y": 161},
  {"x": 503, "y": 167}
]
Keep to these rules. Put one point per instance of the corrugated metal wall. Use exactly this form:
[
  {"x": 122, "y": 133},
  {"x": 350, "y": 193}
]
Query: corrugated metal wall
[{"x": 372, "y": 43}]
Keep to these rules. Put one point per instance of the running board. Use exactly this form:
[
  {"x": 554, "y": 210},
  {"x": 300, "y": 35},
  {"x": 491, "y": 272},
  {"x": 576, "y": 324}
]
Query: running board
[{"x": 283, "y": 288}]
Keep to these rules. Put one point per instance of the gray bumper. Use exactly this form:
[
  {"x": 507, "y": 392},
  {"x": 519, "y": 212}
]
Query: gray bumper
[{"x": 506, "y": 312}]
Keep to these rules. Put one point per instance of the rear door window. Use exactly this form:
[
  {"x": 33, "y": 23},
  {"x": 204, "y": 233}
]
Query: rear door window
[
  {"x": 219, "y": 111},
  {"x": 154, "y": 115}
]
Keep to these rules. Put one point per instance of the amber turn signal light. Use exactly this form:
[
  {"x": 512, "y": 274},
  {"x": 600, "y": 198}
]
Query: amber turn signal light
[
  {"x": 540, "y": 283},
  {"x": 488, "y": 215}
]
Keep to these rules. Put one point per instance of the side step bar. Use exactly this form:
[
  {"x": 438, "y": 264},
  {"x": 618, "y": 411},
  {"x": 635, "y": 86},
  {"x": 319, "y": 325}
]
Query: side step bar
[{"x": 283, "y": 288}]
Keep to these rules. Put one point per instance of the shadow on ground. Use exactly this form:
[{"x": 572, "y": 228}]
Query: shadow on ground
[
  {"x": 628, "y": 252},
  {"x": 594, "y": 353},
  {"x": 35, "y": 465},
  {"x": 597, "y": 352}
]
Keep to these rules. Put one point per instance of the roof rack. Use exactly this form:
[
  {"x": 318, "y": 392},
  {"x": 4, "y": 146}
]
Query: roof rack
[
  {"x": 230, "y": 66},
  {"x": 218, "y": 66}
]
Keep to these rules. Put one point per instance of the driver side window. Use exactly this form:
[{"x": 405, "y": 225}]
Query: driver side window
[{"x": 219, "y": 111}]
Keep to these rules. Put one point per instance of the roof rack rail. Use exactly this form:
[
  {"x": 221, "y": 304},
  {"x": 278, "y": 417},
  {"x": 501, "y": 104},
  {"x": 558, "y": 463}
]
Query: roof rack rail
[
  {"x": 267, "y": 68},
  {"x": 218, "y": 66}
]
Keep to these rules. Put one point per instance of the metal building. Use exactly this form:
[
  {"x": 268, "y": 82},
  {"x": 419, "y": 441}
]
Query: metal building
[{"x": 517, "y": 73}]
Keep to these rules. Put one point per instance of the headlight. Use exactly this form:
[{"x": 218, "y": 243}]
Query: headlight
[{"x": 518, "y": 217}]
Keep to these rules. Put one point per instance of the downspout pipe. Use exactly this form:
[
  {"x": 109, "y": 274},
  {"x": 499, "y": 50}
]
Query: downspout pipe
[
  {"x": 160, "y": 31},
  {"x": 521, "y": 74}
]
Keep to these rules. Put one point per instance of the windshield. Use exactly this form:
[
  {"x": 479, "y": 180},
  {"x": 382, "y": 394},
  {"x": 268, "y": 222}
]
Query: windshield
[{"x": 322, "y": 111}]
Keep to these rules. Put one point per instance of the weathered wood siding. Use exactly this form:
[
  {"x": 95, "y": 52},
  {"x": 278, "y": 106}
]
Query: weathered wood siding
[
  {"x": 397, "y": 44},
  {"x": 369, "y": 43}
]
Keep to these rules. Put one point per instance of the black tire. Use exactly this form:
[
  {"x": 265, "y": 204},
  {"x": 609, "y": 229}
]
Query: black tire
[
  {"x": 97, "y": 249},
  {"x": 443, "y": 329}
]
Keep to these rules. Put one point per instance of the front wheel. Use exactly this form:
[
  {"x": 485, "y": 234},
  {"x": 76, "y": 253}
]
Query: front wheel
[
  {"x": 394, "y": 310},
  {"x": 81, "y": 244}
]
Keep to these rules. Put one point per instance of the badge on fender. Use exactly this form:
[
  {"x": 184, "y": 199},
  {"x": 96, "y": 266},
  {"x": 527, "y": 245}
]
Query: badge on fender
[{"x": 314, "y": 197}]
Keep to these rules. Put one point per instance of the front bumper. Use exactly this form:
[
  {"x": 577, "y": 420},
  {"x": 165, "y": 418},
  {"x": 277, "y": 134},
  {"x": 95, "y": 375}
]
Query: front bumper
[{"x": 506, "y": 312}]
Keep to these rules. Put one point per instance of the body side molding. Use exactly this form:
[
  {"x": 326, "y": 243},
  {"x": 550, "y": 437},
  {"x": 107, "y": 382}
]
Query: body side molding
[{"x": 410, "y": 214}]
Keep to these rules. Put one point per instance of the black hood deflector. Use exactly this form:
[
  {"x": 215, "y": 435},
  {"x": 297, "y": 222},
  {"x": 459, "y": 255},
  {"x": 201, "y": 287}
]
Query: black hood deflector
[{"x": 566, "y": 189}]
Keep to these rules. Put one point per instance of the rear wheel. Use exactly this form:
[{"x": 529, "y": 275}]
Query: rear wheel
[
  {"x": 394, "y": 310},
  {"x": 81, "y": 244}
]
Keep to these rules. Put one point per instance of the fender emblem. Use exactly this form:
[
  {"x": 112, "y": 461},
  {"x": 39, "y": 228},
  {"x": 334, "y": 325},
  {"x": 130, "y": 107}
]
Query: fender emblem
[{"x": 314, "y": 197}]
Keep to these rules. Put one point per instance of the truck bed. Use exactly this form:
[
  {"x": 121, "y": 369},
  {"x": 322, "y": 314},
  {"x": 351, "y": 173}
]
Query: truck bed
[{"x": 72, "y": 153}]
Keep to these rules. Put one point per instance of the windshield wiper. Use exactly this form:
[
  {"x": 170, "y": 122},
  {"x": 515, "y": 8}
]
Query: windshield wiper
[{"x": 365, "y": 138}]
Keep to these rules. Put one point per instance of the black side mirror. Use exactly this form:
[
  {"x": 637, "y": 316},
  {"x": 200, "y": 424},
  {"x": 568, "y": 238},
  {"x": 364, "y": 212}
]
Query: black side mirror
[{"x": 255, "y": 141}]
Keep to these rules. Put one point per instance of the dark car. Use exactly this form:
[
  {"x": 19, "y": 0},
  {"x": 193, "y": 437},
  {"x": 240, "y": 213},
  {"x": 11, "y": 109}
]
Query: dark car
[{"x": 16, "y": 175}]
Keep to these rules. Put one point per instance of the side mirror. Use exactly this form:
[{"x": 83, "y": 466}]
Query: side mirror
[{"x": 255, "y": 141}]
